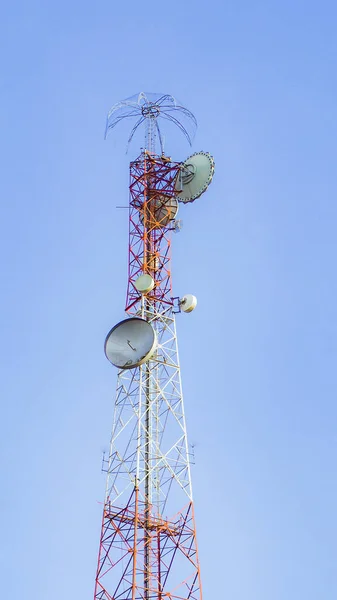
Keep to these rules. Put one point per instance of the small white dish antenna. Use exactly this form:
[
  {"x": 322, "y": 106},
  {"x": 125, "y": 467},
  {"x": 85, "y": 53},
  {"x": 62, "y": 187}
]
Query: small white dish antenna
[
  {"x": 144, "y": 283},
  {"x": 130, "y": 343},
  {"x": 194, "y": 177},
  {"x": 188, "y": 303}
]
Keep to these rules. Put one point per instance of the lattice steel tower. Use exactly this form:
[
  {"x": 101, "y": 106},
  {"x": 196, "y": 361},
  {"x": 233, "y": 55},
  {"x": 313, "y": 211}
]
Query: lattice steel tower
[{"x": 148, "y": 548}]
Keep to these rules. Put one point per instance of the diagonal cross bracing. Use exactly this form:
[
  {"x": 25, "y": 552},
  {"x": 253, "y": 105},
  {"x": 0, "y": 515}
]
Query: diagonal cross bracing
[{"x": 148, "y": 546}]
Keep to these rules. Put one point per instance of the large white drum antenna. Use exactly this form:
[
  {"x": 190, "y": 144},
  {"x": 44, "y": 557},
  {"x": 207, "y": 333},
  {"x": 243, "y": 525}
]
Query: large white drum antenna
[{"x": 194, "y": 177}]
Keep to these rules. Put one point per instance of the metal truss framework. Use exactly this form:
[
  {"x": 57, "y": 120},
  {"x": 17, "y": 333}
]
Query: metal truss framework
[
  {"x": 148, "y": 546},
  {"x": 152, "y": 192}
]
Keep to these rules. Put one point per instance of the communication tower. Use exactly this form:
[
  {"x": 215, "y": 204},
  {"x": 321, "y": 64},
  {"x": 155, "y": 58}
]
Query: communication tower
[{"x": 148, "y": 547}]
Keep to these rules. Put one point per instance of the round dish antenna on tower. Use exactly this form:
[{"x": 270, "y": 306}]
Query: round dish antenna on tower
[
  {"x": 188, "y": 303},
  {"x": 160, "y": 211},
  {"x": 194, "y": 177},
  {"x": 130, "y": 343},
  {"x": 155, "y": 111},
  {"x": 145, "y": 283}
]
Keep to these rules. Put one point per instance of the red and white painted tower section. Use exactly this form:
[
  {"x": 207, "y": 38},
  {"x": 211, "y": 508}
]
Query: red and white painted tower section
[{"x": 148, "y": 547}]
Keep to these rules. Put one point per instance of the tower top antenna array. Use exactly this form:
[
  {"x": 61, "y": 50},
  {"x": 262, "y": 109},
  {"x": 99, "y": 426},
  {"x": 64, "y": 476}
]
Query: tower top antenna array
[{"x": 155, "y": 111}]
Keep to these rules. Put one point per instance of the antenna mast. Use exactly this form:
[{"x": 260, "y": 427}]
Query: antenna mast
[{"x": 148, "y": 546}]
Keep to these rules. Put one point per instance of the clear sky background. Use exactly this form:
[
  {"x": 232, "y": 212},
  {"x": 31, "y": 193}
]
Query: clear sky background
[{"x": 258, "y": 355}]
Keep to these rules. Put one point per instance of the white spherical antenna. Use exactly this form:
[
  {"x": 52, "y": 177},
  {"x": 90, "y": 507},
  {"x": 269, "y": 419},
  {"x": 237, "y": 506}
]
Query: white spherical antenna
[
  {"x": 188, "y": 303},
  {"x": 194, "y": 177},
  {"x": 130, "y": 343},
  {"x": 144, "y": 283}
]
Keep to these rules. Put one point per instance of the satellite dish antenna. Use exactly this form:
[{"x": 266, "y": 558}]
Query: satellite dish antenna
[
  {"x": 188, "y": 303},
  {"x": 194, "y": 177},
  {"x": 144, "y": 284},
  {"x": 130, "y": 343}
]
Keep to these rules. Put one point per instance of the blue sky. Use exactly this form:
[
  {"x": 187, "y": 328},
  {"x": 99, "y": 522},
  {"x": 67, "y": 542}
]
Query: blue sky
[{"x": 258, "y": 355}]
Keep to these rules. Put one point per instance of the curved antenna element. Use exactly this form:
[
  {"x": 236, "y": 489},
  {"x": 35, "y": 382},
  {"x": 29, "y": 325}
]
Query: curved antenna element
[{"x": 153, "y": 110}]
